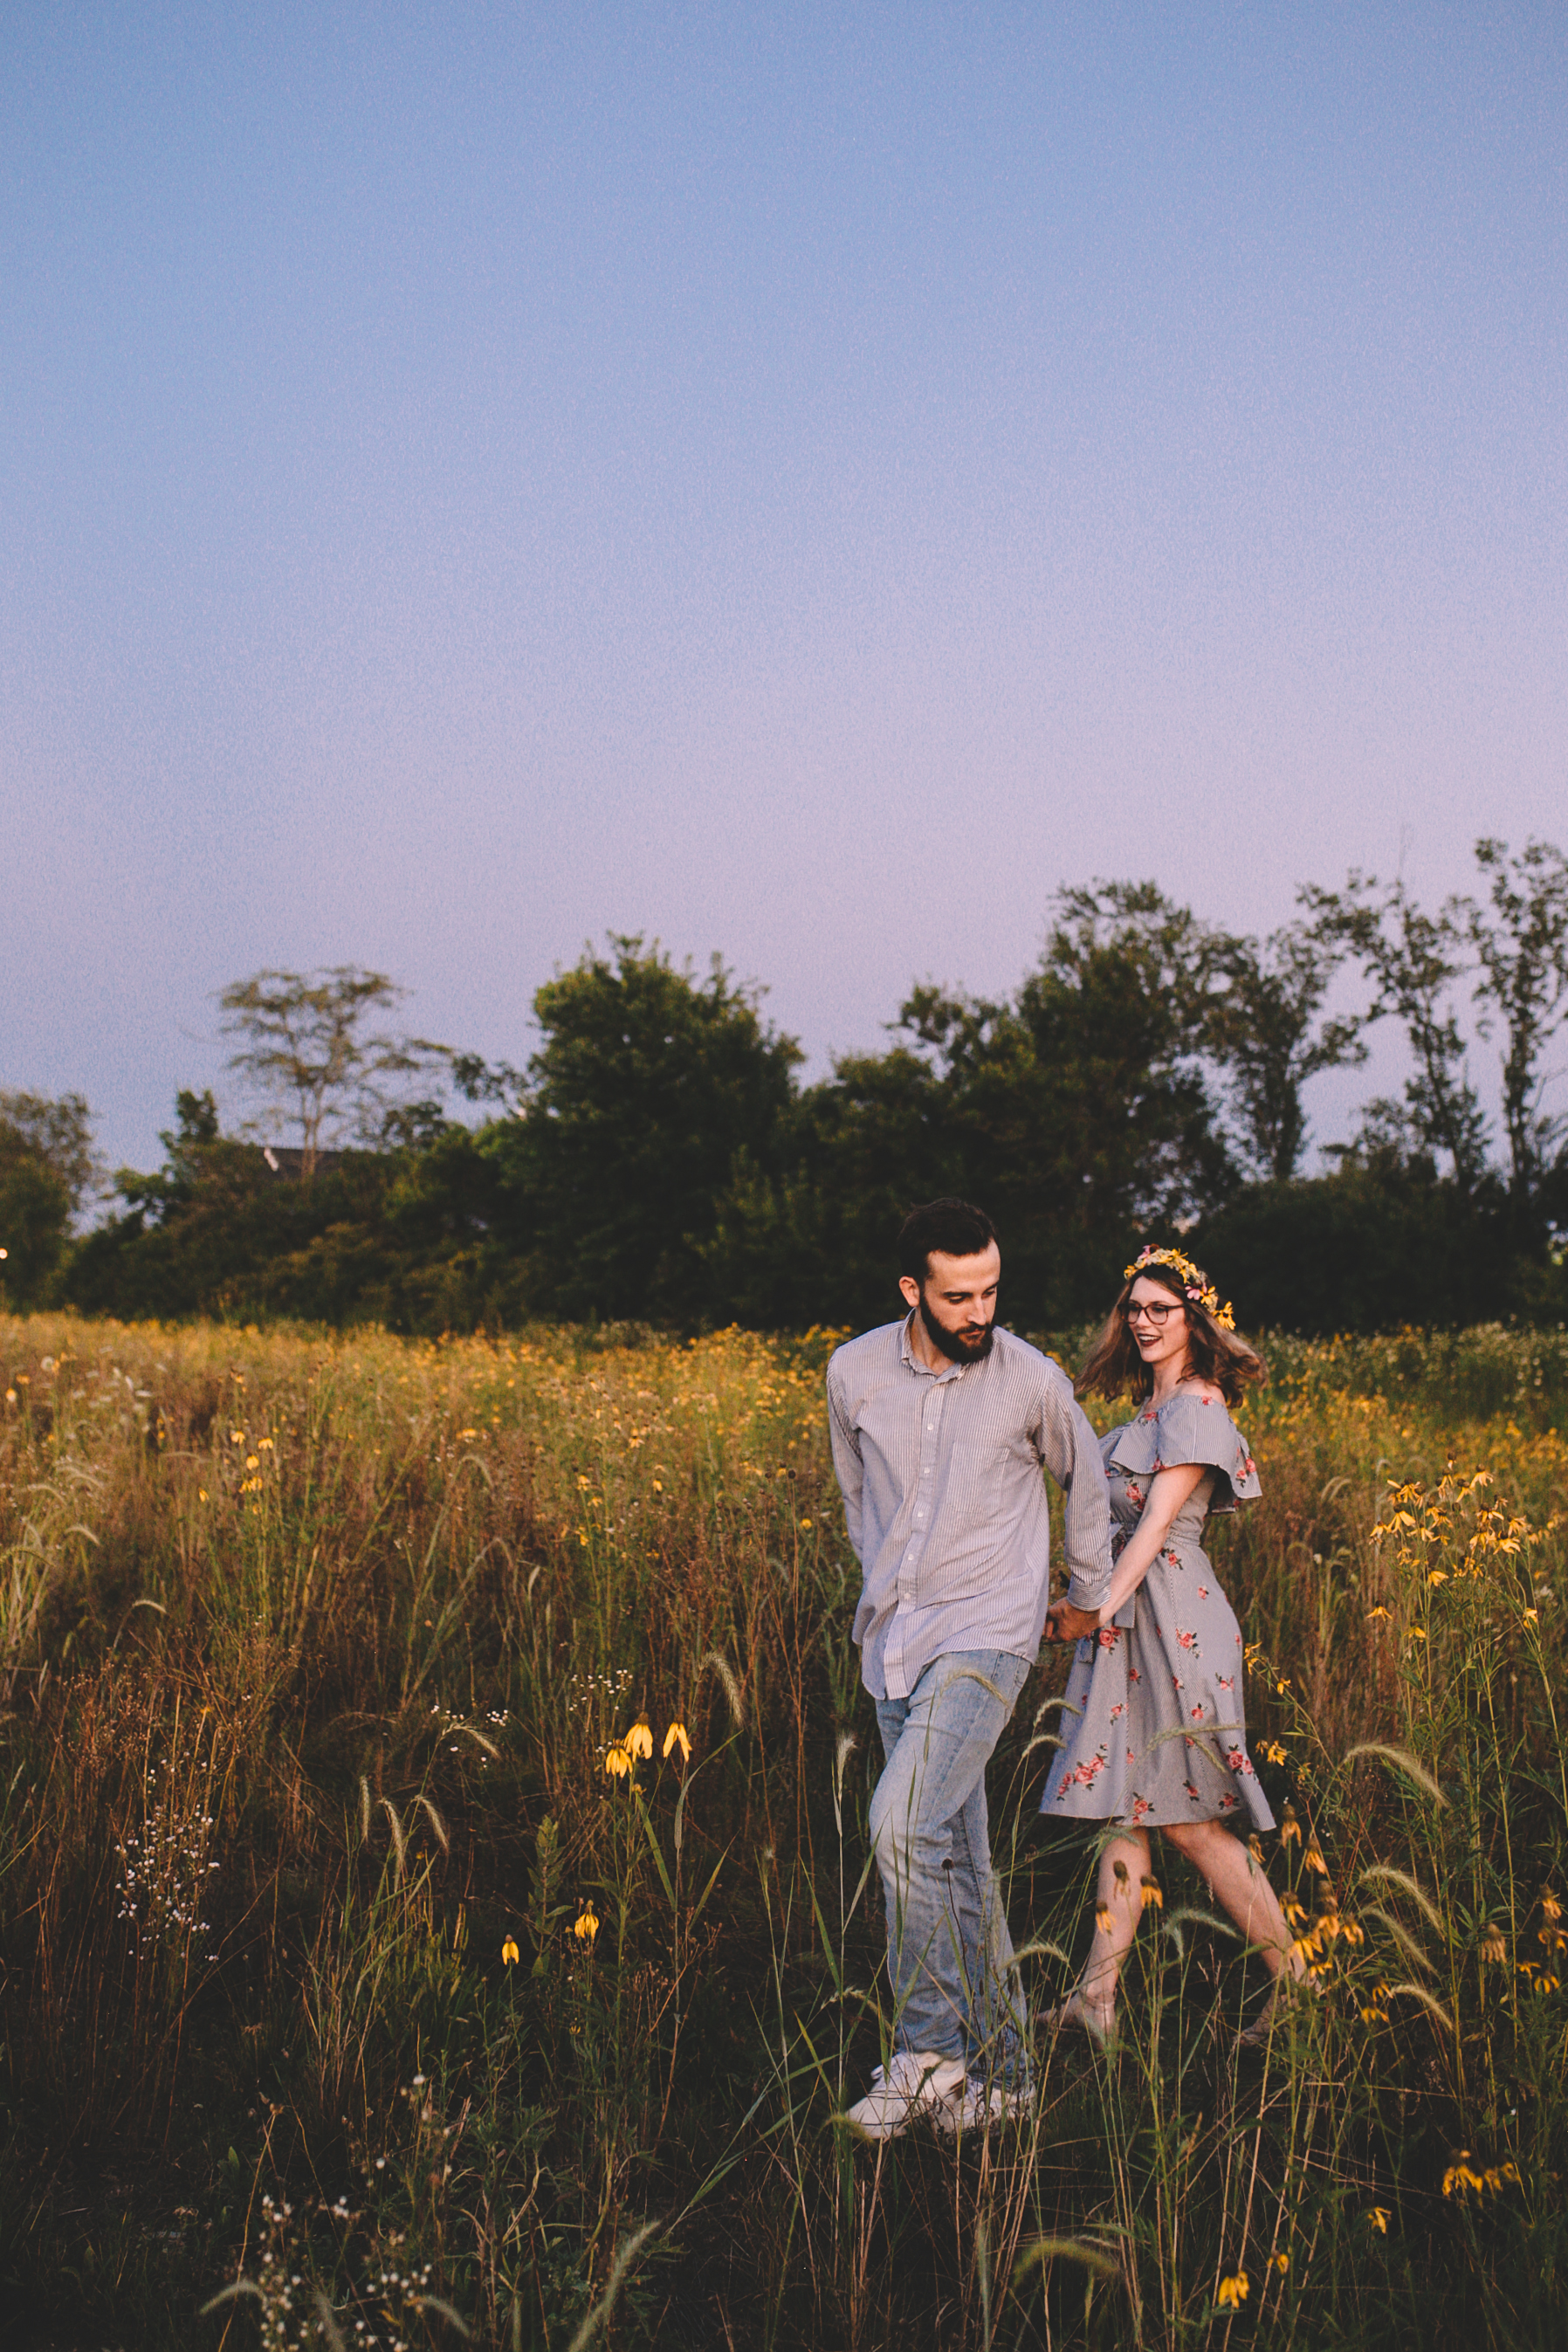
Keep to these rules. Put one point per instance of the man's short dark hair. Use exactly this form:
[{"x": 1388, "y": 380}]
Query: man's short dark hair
[{"x": 955, "y": 1227}]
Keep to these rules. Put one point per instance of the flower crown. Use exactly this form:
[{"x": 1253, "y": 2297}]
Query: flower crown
[{"x": 1195, "y": 1281}]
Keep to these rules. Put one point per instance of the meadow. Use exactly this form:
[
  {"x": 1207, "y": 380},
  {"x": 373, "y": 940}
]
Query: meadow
[{"x": 434, "y": 1897}]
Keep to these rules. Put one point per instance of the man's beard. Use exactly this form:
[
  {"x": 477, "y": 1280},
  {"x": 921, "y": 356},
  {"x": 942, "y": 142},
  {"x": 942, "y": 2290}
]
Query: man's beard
[{"x": 953, "y": 1344}]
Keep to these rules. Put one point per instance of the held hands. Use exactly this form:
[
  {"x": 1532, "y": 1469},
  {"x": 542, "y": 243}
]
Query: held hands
[{"x": 1064, "y": 1623}]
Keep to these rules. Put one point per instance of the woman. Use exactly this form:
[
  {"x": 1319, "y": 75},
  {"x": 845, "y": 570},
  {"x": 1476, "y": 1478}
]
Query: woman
[{"x": 1153, "y": 1728}]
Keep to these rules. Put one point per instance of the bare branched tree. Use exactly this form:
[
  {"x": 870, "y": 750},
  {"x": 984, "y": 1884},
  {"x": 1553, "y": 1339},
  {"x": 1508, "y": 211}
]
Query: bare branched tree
[{"x": 307, "y": 1045}]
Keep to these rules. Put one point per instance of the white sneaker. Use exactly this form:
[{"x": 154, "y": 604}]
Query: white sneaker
[
  {"x": 981, "y": 2104},
  {"x": 915, "y": 2083}
]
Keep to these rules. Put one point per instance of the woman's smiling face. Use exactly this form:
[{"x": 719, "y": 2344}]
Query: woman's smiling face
[{"x": 1161, "y": 1335}]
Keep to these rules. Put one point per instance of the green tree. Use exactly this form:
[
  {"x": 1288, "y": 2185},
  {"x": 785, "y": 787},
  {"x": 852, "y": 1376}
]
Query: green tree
[
  {"x": 647, "y": 1087},
  {"x": 48, "y": 1173},
  {"x": 1521, "y": 942},
  {"x": 1414, "y": 960},
  {"x": 1265, "y": 1032}
]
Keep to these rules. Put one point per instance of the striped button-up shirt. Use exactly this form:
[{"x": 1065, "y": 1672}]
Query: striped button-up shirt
[{"x": 945, "y": 1504}]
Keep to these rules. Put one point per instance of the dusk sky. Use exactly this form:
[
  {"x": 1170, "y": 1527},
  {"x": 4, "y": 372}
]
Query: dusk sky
[{"x": 801, "y": 484}]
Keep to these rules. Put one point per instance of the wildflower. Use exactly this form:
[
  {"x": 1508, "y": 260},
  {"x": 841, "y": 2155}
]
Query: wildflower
[
  {"x": 1118, "y": 1871},
  {"x": 1102, "y": 1918},
  {"x": 1551, "y": 1907},
  {"x": 509, "y": 1953},
  {"x": 586, "y": 1924},
  {"x": 1312, "y": 1859},
  {"x": 1459, "y": 2175},
  {"x": 1280, "y": 2263},
  {"x": 1289, "y": 1827},
  {"x": 1379, "y": 1616},
  {"x": 1294, "y": 1911},
  {"x": 639, "y": 1740},
  {"x": 1378, "y": 2217},
  {"x": 618, "y": 1763},
  {"x": 1234, "y": 2291},
  {"x": 1274, "y": 1752},
  {"x": 804, "y": 1524},
  {"x": 1494, "y": 1946},
  {"x": 1255, "y": 1848},
  {"x": 677, "y": 1736},
  {"x": 1154, "y": 1896}
]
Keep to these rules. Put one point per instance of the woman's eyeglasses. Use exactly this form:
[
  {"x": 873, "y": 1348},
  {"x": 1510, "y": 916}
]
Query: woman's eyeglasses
[{"x": 1156, "y": 1310}]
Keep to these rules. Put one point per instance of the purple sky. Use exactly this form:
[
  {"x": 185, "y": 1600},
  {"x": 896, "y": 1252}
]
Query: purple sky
[{"x": 801, "y": 484}]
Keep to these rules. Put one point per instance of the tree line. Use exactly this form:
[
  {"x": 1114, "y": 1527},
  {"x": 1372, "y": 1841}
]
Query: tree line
[{"x": 659, "y": 1158}]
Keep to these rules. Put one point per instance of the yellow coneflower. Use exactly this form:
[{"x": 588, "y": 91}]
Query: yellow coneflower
[
  {"x": 1280, "y": 2263},
  {"x": 639, "y": 1740},
  {"x": 1551, "y": 1907},
  {"x": 1234, "y": 2291},
  {"x": 677, "y": 1736},
  {"x": 509, "y": 1953},
  {"x": 1102, "y": 1918},
  {"x": 1289, "y": 1827},
  {"x": 586, "y": 1927},
  {"x": 1494, "y": 1945},
  {"x": 617, "y": 1762},
  {"x": 1378, "y": 2217},
  {"x": 1153, "y": 1894}
]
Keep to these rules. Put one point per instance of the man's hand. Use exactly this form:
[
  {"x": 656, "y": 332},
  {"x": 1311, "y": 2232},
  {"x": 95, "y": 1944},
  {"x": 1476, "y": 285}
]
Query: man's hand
[{"x": 1065, "y": 1624}]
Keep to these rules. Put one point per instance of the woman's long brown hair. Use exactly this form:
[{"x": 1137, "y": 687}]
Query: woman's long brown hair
[{"x": 1113, "y": 1364}]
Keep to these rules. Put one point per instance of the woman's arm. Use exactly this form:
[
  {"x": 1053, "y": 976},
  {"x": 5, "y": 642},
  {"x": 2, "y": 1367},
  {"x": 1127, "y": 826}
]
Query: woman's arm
[{"x": 1170, "y": 1490}]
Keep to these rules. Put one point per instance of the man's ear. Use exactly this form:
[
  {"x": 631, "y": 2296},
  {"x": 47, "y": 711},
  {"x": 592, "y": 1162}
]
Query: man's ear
[{"x": 911, "y": 1288}]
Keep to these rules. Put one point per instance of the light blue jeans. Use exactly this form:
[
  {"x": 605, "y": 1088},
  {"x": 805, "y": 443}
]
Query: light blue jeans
[{"x": 956, "y": 1987}]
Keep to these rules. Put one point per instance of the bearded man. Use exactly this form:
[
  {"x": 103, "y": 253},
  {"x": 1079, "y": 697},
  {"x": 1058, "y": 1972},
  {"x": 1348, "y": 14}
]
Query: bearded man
[{"x": 941, "y": 1425}]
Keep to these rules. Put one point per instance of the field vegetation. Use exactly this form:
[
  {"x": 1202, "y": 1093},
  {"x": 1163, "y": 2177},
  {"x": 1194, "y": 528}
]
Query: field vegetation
[{"x": 434, "y": 1897}]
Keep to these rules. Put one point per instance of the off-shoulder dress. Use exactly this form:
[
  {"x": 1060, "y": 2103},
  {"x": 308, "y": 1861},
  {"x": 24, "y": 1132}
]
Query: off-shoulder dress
[{"x": 1153, "y": 1727}]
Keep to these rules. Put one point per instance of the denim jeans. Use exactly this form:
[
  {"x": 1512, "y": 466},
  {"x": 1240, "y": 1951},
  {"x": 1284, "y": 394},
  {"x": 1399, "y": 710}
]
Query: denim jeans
[{"x": 955, "y": 1985}]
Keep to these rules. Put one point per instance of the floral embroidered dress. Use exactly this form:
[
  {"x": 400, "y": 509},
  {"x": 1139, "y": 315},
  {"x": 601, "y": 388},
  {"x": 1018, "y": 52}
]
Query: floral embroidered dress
[{"x": 1153, "y": 1728}]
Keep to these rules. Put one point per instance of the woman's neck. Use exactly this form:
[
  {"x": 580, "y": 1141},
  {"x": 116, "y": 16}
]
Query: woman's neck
[{"x": 1168, "y": 1377}]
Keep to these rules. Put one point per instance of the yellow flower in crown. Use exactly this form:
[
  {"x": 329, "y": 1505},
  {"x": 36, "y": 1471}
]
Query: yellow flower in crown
[{"x": 1193, "y": 1280}]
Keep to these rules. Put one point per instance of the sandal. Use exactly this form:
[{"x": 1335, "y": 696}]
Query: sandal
[{"x": 1073, "y": 2013}]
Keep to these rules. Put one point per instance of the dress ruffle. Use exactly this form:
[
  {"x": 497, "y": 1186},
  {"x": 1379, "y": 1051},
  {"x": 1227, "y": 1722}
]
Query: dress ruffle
[{"x": 1189, "y": 1429}]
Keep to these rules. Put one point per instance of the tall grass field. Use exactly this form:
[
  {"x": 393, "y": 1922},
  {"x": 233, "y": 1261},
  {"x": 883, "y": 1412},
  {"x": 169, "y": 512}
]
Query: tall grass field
[{"x": 435, "y": 1903}]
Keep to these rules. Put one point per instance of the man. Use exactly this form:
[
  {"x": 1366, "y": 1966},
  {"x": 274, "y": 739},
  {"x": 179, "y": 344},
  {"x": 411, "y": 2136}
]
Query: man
[{"x": 940, "y": 1426}]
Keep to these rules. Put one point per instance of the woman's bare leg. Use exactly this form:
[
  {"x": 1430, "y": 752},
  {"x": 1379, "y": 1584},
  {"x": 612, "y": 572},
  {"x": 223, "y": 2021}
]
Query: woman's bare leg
[
  {"x": 1123, "y": 1865},
  {"x": 1240, "y": 1888}
]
